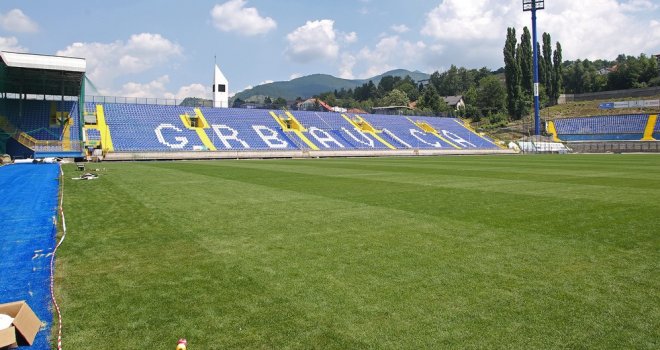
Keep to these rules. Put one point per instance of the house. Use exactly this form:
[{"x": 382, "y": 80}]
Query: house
[
  {"x": 604, "y": 71},
  {"x": 455, "y": 102},
  {"x": 309, "y": 104}
]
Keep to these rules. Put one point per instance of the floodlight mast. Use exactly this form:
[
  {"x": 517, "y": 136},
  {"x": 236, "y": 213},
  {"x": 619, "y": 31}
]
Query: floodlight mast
[{"x": 533, "y": 6}]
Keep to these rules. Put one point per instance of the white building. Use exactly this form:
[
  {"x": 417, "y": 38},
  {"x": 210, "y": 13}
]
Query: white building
[{"x": 220, "y": 89}]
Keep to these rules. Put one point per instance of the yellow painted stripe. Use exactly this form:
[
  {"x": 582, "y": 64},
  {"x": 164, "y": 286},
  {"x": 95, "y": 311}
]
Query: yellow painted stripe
[
  {"x": 200, "y": 131},
  {"x": 433, "y": 132},
  {"x": 302, "y": 127},
  {"x": 444, "y": 139},
  {"x": 552, "y": 130},
  {"x": 66, "y": 135},
  {"x": 306, "y": 140},
  {"x": 380, "y": 139},
  {"x": 200, "y": 116},
  {"x": 185, "y": 121},
  {"x": 278, "y": 120},
  {"x": 650, "y": 126},
  {"x": 106, "y": 138},
  {"x": 300, "y": 134},
  {"x": 349, "y": 120},
  {"x": 205, "y": 139},
  {"x": 469, "y": 128}
]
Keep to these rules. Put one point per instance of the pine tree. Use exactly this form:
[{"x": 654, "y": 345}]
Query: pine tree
[
  {"x": 557, "y": 74},
  {"x": 549, "y": 69},
  {"x": 526, "y": 64},
  {"x": 511, "y": 71}
]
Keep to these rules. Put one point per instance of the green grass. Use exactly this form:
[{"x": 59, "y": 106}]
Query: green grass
[{"x": 418, "y": 253}]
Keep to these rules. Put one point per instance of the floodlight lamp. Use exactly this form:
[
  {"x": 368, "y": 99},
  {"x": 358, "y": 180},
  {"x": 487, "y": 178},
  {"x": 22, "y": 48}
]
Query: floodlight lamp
[{"x": 529, "y": 5}]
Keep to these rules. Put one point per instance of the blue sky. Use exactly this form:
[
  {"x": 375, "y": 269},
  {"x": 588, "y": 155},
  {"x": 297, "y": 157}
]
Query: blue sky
[{"x": 166, "y": 48}]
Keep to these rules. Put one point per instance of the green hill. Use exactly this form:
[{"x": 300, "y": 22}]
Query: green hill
[{"x": 315, "y": 84}]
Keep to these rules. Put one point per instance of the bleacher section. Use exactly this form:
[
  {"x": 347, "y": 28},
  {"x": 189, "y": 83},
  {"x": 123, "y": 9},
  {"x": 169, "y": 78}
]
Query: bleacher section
[
  {"x": 454, "y": 131},
  {"x": 245, "y": 129},
  {"x": 401, "y": 132},
  {"x": 602, "y": 128},
  {"x": 34, "y": 117},
  {"x": 151, "y": 128},
  {"x": 332, "y": 131}
]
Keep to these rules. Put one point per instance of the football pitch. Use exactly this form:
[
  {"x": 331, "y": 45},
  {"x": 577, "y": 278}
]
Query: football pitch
[{"x": 488, "y": 252}]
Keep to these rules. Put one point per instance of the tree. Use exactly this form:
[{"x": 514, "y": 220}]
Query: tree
[
  {"x": 526, "y": 64},
  {"x": 395, "y": 98},
  {"x": 511, "y": 71},
  {"x": 491, "y": 96},
  {"x": 238, "y": 103},
  {"x": 279, "y": 103},
  {"x": 557, "y": 75},
  {"x": 431, "y": 101},
  {"x": 549, "y": 69},
  {"x": 387, "y": 83},
  {"x": 408, "y": 86}
]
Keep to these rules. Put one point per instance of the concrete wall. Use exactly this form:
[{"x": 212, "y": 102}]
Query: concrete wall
[
  {"x": 123, "y": 156},
  {"x": 604, "y": 95},
  {"x": 615, "y": 147}
]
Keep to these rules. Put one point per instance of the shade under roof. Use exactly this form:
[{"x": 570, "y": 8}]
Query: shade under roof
[{"x": 23, "y": 73}]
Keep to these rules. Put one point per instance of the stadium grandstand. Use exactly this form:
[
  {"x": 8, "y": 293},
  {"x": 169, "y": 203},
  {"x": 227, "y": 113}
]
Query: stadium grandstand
[
  {"x": 39, "y": 94},
  {"x": 608, "y": 133},
  {"x": 43, "y": 114}
]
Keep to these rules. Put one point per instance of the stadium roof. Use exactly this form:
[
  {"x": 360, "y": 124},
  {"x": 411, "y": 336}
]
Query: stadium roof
[{"x": 23, "y": 73}]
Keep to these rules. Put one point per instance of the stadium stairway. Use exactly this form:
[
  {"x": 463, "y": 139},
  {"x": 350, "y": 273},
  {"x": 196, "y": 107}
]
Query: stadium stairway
[
  {"x": 290, "y": 124},
  {"x": 104, "y": 128},
  {"x": 360, "y": 124},
  {"x": 178, "y": 132},
  {"x": 200, "y": 128},
  {"x": 650, "y": 128},
  {"x": 426, "y": 127}
]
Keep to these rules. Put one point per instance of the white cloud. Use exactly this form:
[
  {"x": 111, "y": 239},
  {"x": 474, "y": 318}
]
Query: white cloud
[
  {"x": 391, "y": 53},
  {"x": 469, "y": 20},
  {"x": 586, "y": 29},
  {"x": 350, "y": 38},
  {"x": 16, "y": 21},
  {"x": 295, "y": 76},
  {"x": 233, "y": 16},
  {"x": 348, "y": 61},
  {"x": 639, "y": 5},
  {"x": 107, "y": 61},
  {"x": 192, "y": 90},
  {"x": 11, "y": 44},
  {"x": 158, "y": 89},
  {"x": 316, "y": 40},
  {"x": 400, "y": 28}
]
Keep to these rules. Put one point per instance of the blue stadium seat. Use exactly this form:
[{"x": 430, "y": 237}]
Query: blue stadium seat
[
  {"x": 136, "y": 128},
  {"x": 607, "y": 128}
]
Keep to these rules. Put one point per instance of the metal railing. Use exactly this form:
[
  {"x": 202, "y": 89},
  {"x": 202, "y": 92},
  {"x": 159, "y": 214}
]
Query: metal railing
[{"x": 147, "y": 101}]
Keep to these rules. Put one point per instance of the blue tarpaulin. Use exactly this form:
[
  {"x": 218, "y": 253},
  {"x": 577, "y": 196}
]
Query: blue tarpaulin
[{"x": 28, "y": 209}]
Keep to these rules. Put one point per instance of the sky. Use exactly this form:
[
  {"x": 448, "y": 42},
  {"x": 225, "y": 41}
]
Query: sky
[{"x": 167, "y": 48}]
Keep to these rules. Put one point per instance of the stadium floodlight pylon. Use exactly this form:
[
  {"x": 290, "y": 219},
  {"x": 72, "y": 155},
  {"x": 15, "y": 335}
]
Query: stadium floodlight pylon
[{"x": 533, "y": 6}]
